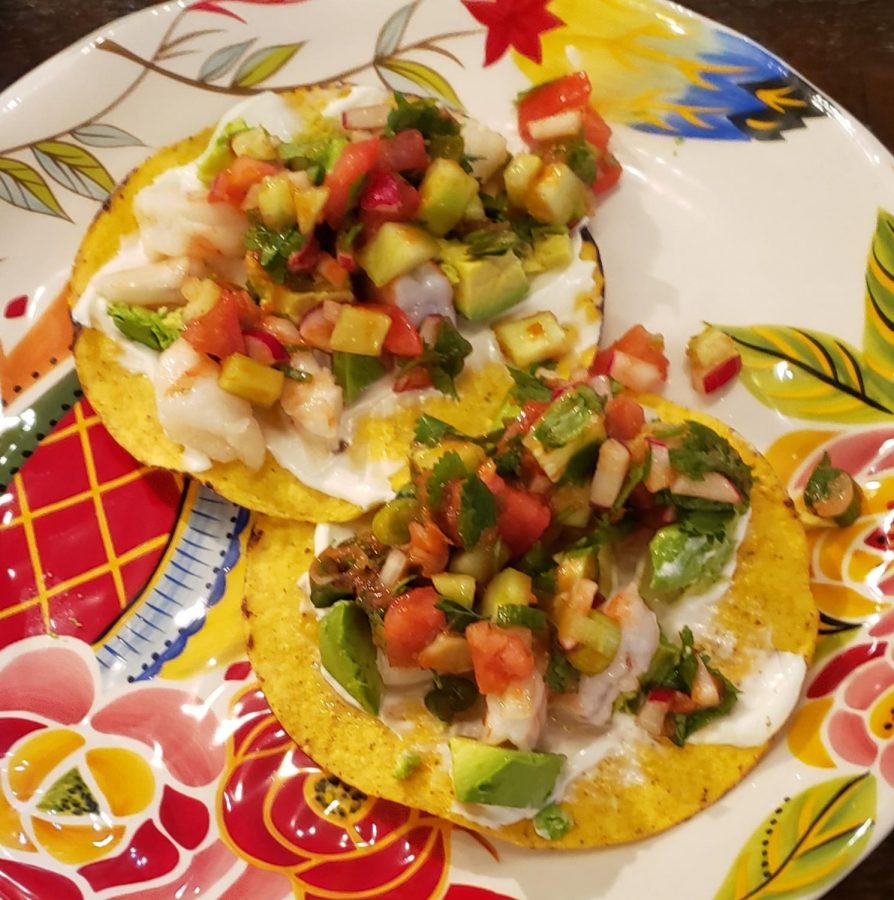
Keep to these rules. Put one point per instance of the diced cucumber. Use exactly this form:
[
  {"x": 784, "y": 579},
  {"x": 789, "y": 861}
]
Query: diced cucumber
[
  {"x": 361, "y": 331},
  {"x": 251, "y": 380},
  {"x": 519, "y": 175},
  {"x": 598, "y": 639},
  {"x": 512, "y": 614},
  {"x": 458, "y": 588},
  {"x": 531, "y": 339},
  {"x": 254, "y": 142},
  {"x": 575, "y": 566},
  {"x": 391, "y": 524},
  {"x": 218, "y": 156},
  {"x": 555, "y": 195},
  {"x": 506, "y": 588},
  {"x": 444, "y": 194},
  {"x": 396, "y": 248},
  {"x": 571, "y": 504},
  {"x": 480, "y": 562},
  {"x": 555, "y": 462},
  {"x": 275, "y": 202}
]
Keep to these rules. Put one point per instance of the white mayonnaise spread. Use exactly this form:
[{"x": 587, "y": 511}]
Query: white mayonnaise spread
[{"x": 172, "y": 212}]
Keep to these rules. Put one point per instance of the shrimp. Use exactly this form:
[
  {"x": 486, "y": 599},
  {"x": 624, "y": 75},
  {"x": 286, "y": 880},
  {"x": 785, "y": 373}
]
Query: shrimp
[
  {"x": 176, "y": 219},
  {"x": 428, "y": 547},
  {"x": 421, "y": 293},
  {"x": 639, "y": 640},
  {"x": 518, "y": 714},
  {"x": 196, "y": 412},
  {"x": 314, "y": 406}
]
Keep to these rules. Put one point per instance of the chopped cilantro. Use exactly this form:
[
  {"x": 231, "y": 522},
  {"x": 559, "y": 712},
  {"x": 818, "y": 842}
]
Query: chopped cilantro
[
  {"x": 703, "y": 451},
  {"x": 685, "y": 725},
  {"x": 431, "y": 431},
  {"x": 295, "y": 374},
  {"x": 424, "y": 115},
  {"x": 490, "y": 242},
  {"x": 156, "y": 329},
  {"x": 477, "y": 511},
  {"x": 581, "y": 157},
  {"x": 451, "y": 695},
  {"x": 528, "y": 387},
  {"x": 447, "y": 468},
  {"x": 552, "y": 822},
  {"x": 508, "y": 460},
  {"x": 561, "y": 677},
  {"x": 567, "y": 417},
  {"x": 444, "y": 359},
  {"x": 274, "y": 248},
  {"x": 459, "y": 617}
]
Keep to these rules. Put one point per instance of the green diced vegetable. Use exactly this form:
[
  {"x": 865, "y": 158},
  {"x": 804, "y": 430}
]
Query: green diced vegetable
[
  {"x": 390, "y": 524},
  {"x": 703, "y": 451},
  {"x": 507, "y": 588},
  {"x": 490, "y": 242},
  {"x": 407, "y": 763},
  {"x": 567, "y": 417},
  {"x": 216, "y": 158},
  {"x": 598, "y": 639},
  {"x": 552, "y": 822},
  {"x": 458, "y": 588},
  {"x": 274, "y": 248},
  {"x": 156, "y": 329},
  {"x": 510, "y": 615},
  {"x": 459, "y": 616},
  {"x": 451, "y": 695},
  {"x": 827, "y": 482},
  {"x": 355, "y": 373}
]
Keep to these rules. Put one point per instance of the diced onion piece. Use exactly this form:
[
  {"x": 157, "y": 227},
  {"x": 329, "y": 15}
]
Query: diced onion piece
[
  {"x": 713, "y": 486},
  {"x": 654, "y": 711},
  {"x": 393, "y": 570},
  {"x": 366, "y": 118},
  {"x": 634, "y": 373},
  {"x": 611, "y": 470},
  {"x": 567, "y": 123},
  {"x": 155, "y": 284},
  {"x": 704, "y": 688},
  {"x": 659, "y": 476}
]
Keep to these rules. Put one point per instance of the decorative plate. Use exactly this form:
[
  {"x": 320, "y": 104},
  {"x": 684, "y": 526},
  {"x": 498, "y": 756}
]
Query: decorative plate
[{"x": 138, "y": 756}]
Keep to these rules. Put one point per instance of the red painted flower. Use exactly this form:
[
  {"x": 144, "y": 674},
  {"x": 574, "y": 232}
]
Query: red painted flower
[
  {"x": 513, "y": 23},
  {"x": 105, "y": 789},
  {"x": 280, "y": 811},
  {"x": 214, "y": 7}
]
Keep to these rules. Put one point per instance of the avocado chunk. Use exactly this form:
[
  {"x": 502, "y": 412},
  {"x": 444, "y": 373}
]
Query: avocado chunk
[
  {"x": 679, "y": 560},
  {"x": 484, "y": 287},
  {"x": 500, "y": 777},
  {"x": 348, "y": 654},
  {"x": 445, "y": 194}
]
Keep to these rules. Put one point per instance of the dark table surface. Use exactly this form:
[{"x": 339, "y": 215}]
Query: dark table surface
[{"x": 845, "y": 47}]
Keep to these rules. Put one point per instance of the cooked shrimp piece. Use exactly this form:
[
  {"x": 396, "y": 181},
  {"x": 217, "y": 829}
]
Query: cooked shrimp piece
[
  {"x": 155, "y": 284},
  {"x": 428, "y": 547},
  {"x": 518, "y": 714},
  {"x": 196, "y": 412},
  {"x": 314, "y": 406},
  {"x": 639, "y": 640},
  {"x": 176, "y": 219},
  {"x": 421, "y": 293}
]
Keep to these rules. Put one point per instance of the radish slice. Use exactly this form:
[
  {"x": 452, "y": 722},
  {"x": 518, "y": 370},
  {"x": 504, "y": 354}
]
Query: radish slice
[
  {"x": 366, "y": 118},
  {"x": 277, "y": 352},
  {"x": 567, "y": 123},
  {"x": 713, "y": 486},
  {"x": 258, "y": 350},
  {"x": 659, "y": 476},
  {"x": 713, "y": 358},
  {"x": 283, "y": 330},
  {"x": 611, "y": 470},
  {"x": 634, "y": 373}
]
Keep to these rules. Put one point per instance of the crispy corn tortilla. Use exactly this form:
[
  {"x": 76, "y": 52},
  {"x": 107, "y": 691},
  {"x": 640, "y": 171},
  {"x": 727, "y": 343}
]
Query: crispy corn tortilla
[
  {"x": 125, "y": 401},
  {"x": 769, "y": 606}
]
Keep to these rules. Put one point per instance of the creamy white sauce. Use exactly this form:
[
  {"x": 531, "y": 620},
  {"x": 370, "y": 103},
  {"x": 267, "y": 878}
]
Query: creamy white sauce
[
  {"x": 766, "y": 699},
  {"x": 339, "y": 689}
]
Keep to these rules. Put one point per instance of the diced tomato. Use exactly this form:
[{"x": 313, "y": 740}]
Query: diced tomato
[
  {"x": 403, "y": 337},
  {"x": 609, "y": 171},
  {"x": 411, "y": 624},
  {"x": 405, "y": 151},
  {"x": 596, "y": 130},
  {"x": 344, "y": 179},
  {"x": 568, "y": 92},
  {"x": 499, "y": 656},
  {"x": 624, "y": 418},
  {"x": 448, "y": 513},
  {"x": 305, "y": 259},
  {"x": 416, "y": 379},
  {"x": 232, "y": 184},
  {"x": 218, "y": 332},
  {"x": 637, "y": 342},
  {"x": 247, "y": 310},
  {"x": 522, "y": 519},
  {"x": 428, "y": 547}
]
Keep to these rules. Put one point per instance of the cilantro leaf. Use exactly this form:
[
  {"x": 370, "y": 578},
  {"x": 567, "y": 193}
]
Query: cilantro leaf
[
  {"x": 431, "y": 431},
  {"x": 490, "y": 242},
  {"x": 459, "y": 617},
  {"x": 423, "y": 115},
  {"x": 477, "y": 511},
  {"x": 561, "y": 677},
  {"x": 447, "y": 468},
  {"x": 703, "y": 451},
  {"x": 156, "y": 329},
  {"x": 444, "y": 358},
  {"x": 274, "y": 248},
  {"x": 567, "y": 417},
  {"x": 685, "y": 725},
  {"x": 581, "y": 158},
  {"x": 528, "y": 387},
  {"x": 508, "y": 460},
  {"x": 708, "y": 523},
  {"x": 452, "y": 694}
]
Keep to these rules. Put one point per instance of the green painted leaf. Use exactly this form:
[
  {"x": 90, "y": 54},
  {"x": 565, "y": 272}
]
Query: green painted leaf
[
  {"x": 878, "y": 328},
  {"x": 25, "y": 187},
  {"x": 806, "y": 842},
  {"x": 810, "y": 375},
  {"x": 74, "y": 168},
  {"x": 221, "y": 61},
  {"x": 392, "y": 32},
  {"x": 422, "y": 76},
  {"x": 263, "y": 63},
  {"x": 102, "y": 135}
]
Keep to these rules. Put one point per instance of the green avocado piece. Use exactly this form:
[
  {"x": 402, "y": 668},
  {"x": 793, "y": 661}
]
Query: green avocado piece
[
  {"x": 348, "y": 654},
  {"x": 678, "y": 560},
  {"x": 483, "y": 287},
  {"x": 69, "y": 795},
  {"x": 445, "y": 194},
  {"x": 500, "y": 777}
]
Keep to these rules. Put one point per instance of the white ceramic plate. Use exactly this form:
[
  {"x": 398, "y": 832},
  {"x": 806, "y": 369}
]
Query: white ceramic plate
[{"x": 749, "y": 200}]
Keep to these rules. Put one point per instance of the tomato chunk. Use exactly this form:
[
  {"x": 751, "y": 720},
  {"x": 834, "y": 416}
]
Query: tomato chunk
[
  {"x": 247, "y": 311},
  {"x": 499, "y": 656},
  {"x": 568, "y": 92},
  {"x": 344, "y": 179},
  {"x": 596, "y": 130},
  {"x": 637, "y": 342},
  {"x": 522, "y": 519},
  {"x": 411, "y": 624},
  {"x": 405, "y": 151},
  {"x": 389, "y": 197},
  {"x": 624, "y": 418},
  {"x": 233, "y": 183},
  {"x": 218, "y": 332},
  {"x": 403, "y": 337}
]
